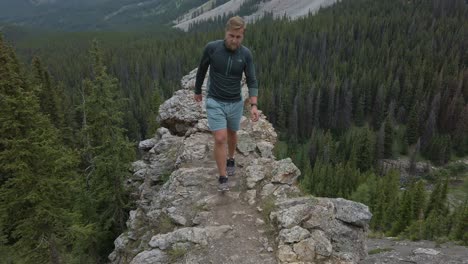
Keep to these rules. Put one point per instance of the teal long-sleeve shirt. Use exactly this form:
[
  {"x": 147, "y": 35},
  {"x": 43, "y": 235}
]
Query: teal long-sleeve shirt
[{"x": 226, "y": 72}]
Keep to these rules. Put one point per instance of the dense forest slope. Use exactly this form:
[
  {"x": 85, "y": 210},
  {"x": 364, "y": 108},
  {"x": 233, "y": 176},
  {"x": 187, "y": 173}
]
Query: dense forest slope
[
  {"x": 117, "y": 15},
  {"x": 357, "y": 83}
]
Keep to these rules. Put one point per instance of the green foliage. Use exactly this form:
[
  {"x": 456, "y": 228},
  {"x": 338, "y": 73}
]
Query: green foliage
[
  {"x": 401, "y": 142},
  {"x": 320, "y": 74},
  {"x": 107, "y": 154},
  {"x": 456, "y": 169},
  {"x": 412, "y": 131},
  {"x": 461, "y": 135},
  {"x": 409, "y": 214},
  {"x": 176, "y": 253},
  {"x": 439, "y": 150},
  {"x": 362, "y": 194},
  {"x": 460, "y": 228},
  {"x": 268, "y": 206},
  {"x": 157, "y": 100},
  {"x": 404, "y": 214},
  {"x": 165, "y": 177},
  {"x": 379, "y": 250},
  {"x": 365, "y": 150},
  {"x": 281, "y": 150},
  {"x": 419, "y": 198},
  {"x": 344, "y": 65},
  {"x": 37, "y": 177},
  {"x": 164, "y": 224},
  {"x": 388, "y": 140}
]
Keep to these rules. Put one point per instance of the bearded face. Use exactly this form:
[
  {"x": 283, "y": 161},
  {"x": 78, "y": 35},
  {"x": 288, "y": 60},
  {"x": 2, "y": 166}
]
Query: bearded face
[{"x": 233, "y": 38}]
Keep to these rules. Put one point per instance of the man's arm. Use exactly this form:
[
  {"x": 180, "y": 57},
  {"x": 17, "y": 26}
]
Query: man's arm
[
  {"x": 202, "y": 69},
  {"x": 250, "y": 76},
  {"x": 253, "y": 86}
]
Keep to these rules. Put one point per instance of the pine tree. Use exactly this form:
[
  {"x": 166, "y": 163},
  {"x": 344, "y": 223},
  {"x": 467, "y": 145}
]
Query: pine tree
[
  {"x": 461, "y": 133},
  {"x": 379, "y": 108},
  {"x": 37, "y": 175},
  {"x": 362, "y": 194},
  {"x": 108, "y": 153},
  {"x": 48, "y": 94},
  {"x": 309, "y": 111},
  {"x": 317, "y": 112},
  {"x": 388, "y": 140},
  {"x": 418, "y": 194},
  {"x": 439, "y": 151},
  {"x": 359, "y": 115},
  {"x": 460, "y": 228},
  {"x": 391, "y": 202},
  {"x": 404, "y": 214},
  {"x": 347, "y": 109},
  {"x": 293, "y": 122},
  {"x": 379, "y": 149},
  {"x": 431, "y": 123},
  {"x": 378, "y": 208},
  {"x": 156, "y": 102},
  {"x": 412, "y": 129},
  {"x": 437, "y": 199},
  {"x": 307, "y": 177},
  {"x": 365, "y": 151}
]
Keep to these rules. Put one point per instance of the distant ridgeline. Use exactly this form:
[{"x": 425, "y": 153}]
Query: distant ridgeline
[{"x": 79, "y": 15}]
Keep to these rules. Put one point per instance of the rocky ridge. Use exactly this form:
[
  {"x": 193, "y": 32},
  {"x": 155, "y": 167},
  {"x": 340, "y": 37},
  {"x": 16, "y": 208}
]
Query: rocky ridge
[{"x": 180, "y": 217}]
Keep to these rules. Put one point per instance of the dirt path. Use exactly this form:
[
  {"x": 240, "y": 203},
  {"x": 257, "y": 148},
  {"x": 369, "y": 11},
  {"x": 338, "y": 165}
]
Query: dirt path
[{"x": 249, "y": 241}]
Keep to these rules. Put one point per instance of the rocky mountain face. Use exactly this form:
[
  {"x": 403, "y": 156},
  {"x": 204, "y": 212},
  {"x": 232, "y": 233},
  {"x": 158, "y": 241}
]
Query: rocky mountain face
[
  {"x": 83, "y": 15},
  {"x": 180, "y": 217},
  {"x": 77, "y": 15},
  {"x": 406, "y": 169},
  {"x": 42, "y": 2},
  {"x": 278, "y": 8}
]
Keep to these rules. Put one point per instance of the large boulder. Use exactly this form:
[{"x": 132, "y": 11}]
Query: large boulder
[
  {"x": 325, "y": 230},
  {"x": 180, "y": 112}
]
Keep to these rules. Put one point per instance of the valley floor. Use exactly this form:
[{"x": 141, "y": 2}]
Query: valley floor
[{"x": 392, "y": 251}]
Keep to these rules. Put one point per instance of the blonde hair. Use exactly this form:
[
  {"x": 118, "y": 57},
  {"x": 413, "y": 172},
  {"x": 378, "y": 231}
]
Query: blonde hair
[{"x": 235, "y": 23}]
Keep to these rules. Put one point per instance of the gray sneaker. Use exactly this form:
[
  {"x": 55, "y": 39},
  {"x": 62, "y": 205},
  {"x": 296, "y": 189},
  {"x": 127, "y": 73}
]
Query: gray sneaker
[
  {"x": 223, "y": 184},
  {"x": 230, "y": 167}
]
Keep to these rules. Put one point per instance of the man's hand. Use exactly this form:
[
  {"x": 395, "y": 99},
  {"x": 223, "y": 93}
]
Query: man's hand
[
  {"x": 197, "y": 97},
  {"x": 254, "y": 115}
]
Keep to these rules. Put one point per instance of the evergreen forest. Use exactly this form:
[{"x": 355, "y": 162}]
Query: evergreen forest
[{"x": 354, "y": 85}]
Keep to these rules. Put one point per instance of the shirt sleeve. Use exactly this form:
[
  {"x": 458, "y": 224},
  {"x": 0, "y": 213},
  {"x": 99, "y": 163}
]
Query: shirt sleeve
[
  {"x": 250, "y": 75},
  {"x": 202, "y": 68}
]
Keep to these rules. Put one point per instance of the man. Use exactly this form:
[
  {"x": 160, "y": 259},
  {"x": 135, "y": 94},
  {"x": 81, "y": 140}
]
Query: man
[{"x": 227, "y": 59}]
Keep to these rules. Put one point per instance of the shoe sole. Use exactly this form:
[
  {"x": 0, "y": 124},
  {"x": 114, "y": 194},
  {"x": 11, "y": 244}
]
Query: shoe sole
[{"x": 223, "y": 189}]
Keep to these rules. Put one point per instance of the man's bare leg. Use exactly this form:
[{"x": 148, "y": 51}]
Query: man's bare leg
[
  {"x": 232, "y": 142},
  {"x": 220, "y": 137}
]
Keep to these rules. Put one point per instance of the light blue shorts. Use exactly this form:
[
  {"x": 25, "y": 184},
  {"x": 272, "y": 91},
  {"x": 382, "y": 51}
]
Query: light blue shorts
[{"x": 222, "y": 115}]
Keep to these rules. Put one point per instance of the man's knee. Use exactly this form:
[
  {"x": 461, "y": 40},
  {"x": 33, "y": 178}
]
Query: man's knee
[{"x": 220, "y": 137}]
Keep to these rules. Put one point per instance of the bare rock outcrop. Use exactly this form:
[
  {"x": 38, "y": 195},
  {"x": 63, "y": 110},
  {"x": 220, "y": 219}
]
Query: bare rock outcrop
[
  {"x": 278, "y": 8},
  {"x": 181, "y": 218},
  {"x": 405, "y": 167}
]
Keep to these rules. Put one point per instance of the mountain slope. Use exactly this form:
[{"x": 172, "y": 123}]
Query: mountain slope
[
  {"x": 74, "y": 15},
  {"x": 253, "y": 10}
]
